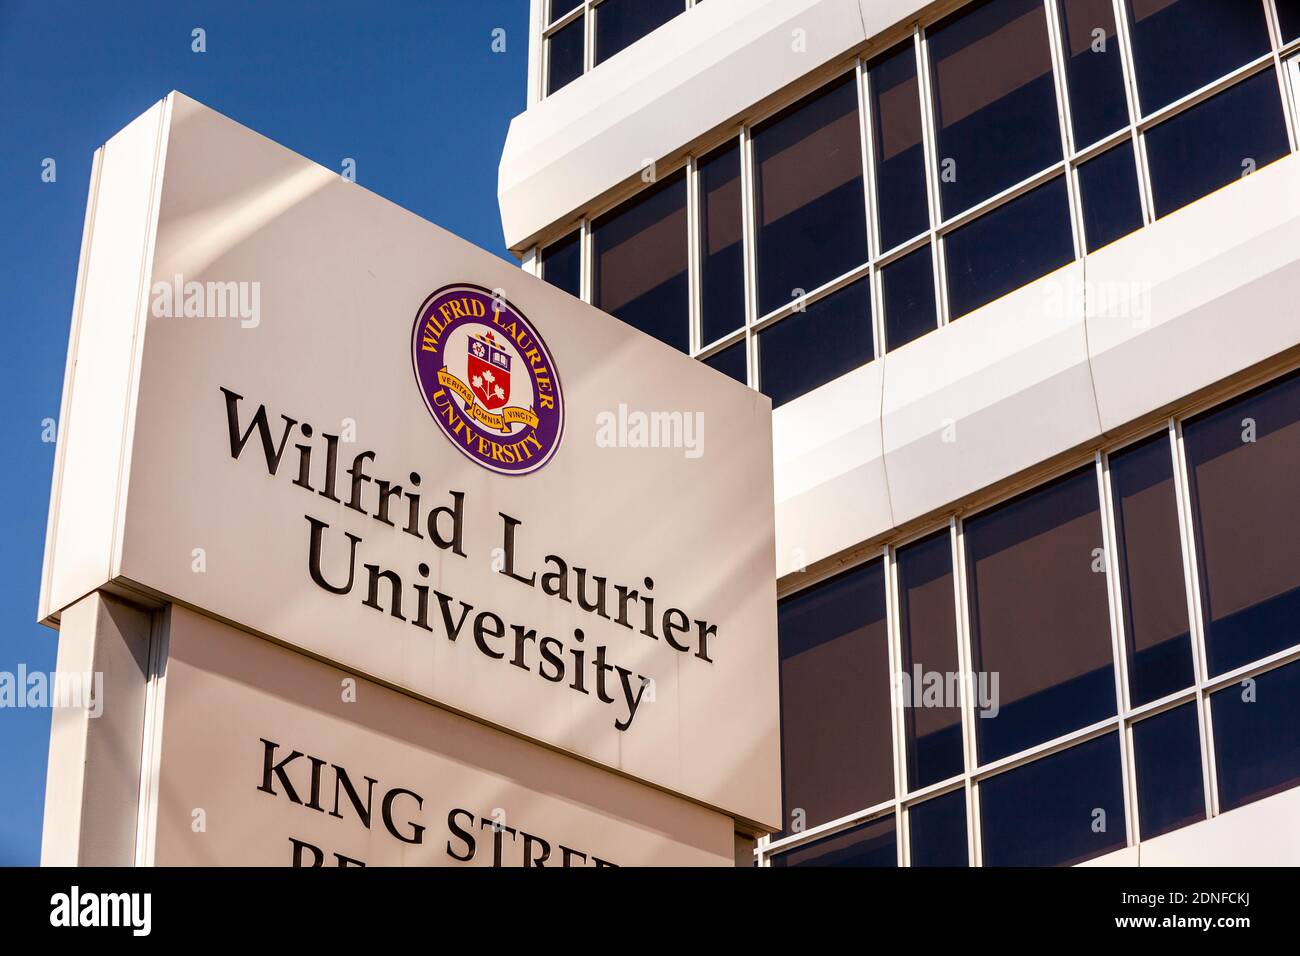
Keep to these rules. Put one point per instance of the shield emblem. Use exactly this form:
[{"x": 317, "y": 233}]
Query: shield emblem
[{"x": 489, "y": 372}]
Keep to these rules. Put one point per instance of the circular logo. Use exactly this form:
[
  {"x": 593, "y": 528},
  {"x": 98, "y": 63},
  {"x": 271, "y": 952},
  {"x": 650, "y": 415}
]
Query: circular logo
[{"x": 487, "y": 379}]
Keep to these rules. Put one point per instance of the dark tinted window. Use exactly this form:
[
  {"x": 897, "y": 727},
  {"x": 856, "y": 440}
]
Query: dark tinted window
[
  {"x": 812, "y": 219},
  {"x": 560, "y": 7},
  {"x": 564, "y": 51},
  {"x": 1288, "y": 14},
  {"x": 1095, "y": 74},
  {"x": 836, "y": 754},
  {"x": 620, "y": 23},
  {"x": 1058, "y": 810},
  {"x": 1009, "y": 247},
  {"x": 1167, "y": 758},
  {"x": 1112, "y": 207},
  {"x": 1243, "y": 460},
  {"x": 872, "y": 844},
  {"x": 1150, "y": 555},
  {"x": 1217, "y": 142},
  {"x": 1040, "y": 620},
  {"x": 562, "y": 264},
  {"x": 937, "y": 831},
  {"x": 927, "y": 625},
  {"x": 730, "y": 361},
  {"x": 910, "y": 310},
  {"x": 995, "y": 99},
  {"x": 1181, "y": 45},
  {"x": 810, "y": 348},
  {"x": 1257, "y": 736},
  {"x": 639, "y": 262},
  {"x": 722, "y": 272},
  {"x": 903, "y": 208}
]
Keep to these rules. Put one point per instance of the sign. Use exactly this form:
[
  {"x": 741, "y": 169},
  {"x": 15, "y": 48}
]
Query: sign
[
  {"x": 297, "y": 408},
  {"x": 272, "y": 760}
]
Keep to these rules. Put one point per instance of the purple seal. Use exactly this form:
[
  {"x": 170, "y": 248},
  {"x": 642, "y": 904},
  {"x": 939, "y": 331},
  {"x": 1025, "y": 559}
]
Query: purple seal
[{"x": 487, "y": 379}]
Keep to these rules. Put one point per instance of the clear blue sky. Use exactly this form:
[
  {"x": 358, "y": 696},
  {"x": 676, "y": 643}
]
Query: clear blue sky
[{"x": 410, "y": 88}]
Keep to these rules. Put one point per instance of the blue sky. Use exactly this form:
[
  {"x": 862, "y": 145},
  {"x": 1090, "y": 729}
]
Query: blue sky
[{"x": 412, "y": 90}]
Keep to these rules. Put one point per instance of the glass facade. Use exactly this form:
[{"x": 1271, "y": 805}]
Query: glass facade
[
  {"x": 1101, "y": 659},
  {"x": 1081, "y": 606},
  {"x": 582, "y": 32},
  {"x": 946, "y": 170},
  {"x": 639, "y": 256}
]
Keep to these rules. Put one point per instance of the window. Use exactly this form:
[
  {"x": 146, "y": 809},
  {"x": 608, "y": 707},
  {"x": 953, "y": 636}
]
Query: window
[
  {"x": 1217, "y": 142},
  {"x": 995, "y": 99},
  {"x": 910, "y": 309},
  {"x": 560, "y": 7},
  {"x": 1152, "y": 585},
  {"x": 722, "y": 261},
  {"x": 1167, "y": 760},
  {"x": 1112, "y": 207},
  {"x": 562, "y": 264},
  {"x": 1040, "y": 619},
  {"x": 1242, "y": 462},
  {"x": 872, "y": 844},
  {"x": 1009, "y": 247},
  {"x": 1181, "y": 45},
  {"x": 831, "y": 337},
  {"x": 927, "y": 621},
  {"x": 730, "y": 361},
  {"x": 1256, "y": 743},
  {"x": 564, "y": 53},
  {"x": 937, "y": 831},
  {"x": 903, "y": 209},
  {"x": 1057, "y": 811},
  {"x": 639, "y": 260},
  {"x": 1039, "y": 624},
  {"x": 620, "y": 23},
  {"x": 811, "y": 207},
  {"x": 836, "y": 750},
  {"x": 1095, "y": 75},
  {"x": 1288, "y": 15}
]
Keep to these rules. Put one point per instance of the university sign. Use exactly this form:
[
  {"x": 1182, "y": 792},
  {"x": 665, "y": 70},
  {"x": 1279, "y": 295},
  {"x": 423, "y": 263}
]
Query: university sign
[{"x": 369, "y": 553}]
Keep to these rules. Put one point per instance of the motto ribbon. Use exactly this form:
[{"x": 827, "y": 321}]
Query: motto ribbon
[{"x": 501, "y": 422}]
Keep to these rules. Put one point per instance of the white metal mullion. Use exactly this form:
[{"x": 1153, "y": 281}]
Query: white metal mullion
[
  {"x": 897, "y": 725},
  {"x": 965, "y": 682},
  {"x": 1127, "y": 62},
  {"x": 694, "y": 257},
  {"x": 1056, "y": 44},
  {"x": 1293, "y": 86},
  {"x": 1276, "y": 41},
  {"x": 930, "y": 150},
  {"x": 874, "y": 242},
  {"x": 1196, "y": 620},
  {"x": 588, "y": 36},
  {"x": 1119, "y": 647},
  {"x": 585, "y": 265},
  {"x": 749, "y": 250},
  {"x": 532, "y": 261}
]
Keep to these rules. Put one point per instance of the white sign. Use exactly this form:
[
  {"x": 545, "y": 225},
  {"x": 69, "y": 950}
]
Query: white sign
[
  {"x": 299, "y": 408},
  {"x": 269, "y": 759}
]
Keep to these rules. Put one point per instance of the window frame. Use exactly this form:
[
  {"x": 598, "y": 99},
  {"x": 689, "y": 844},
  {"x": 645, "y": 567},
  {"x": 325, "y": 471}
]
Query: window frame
[
  {"x": 1127, "y": 716},
  {"x": 1284, "y": 58}
]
